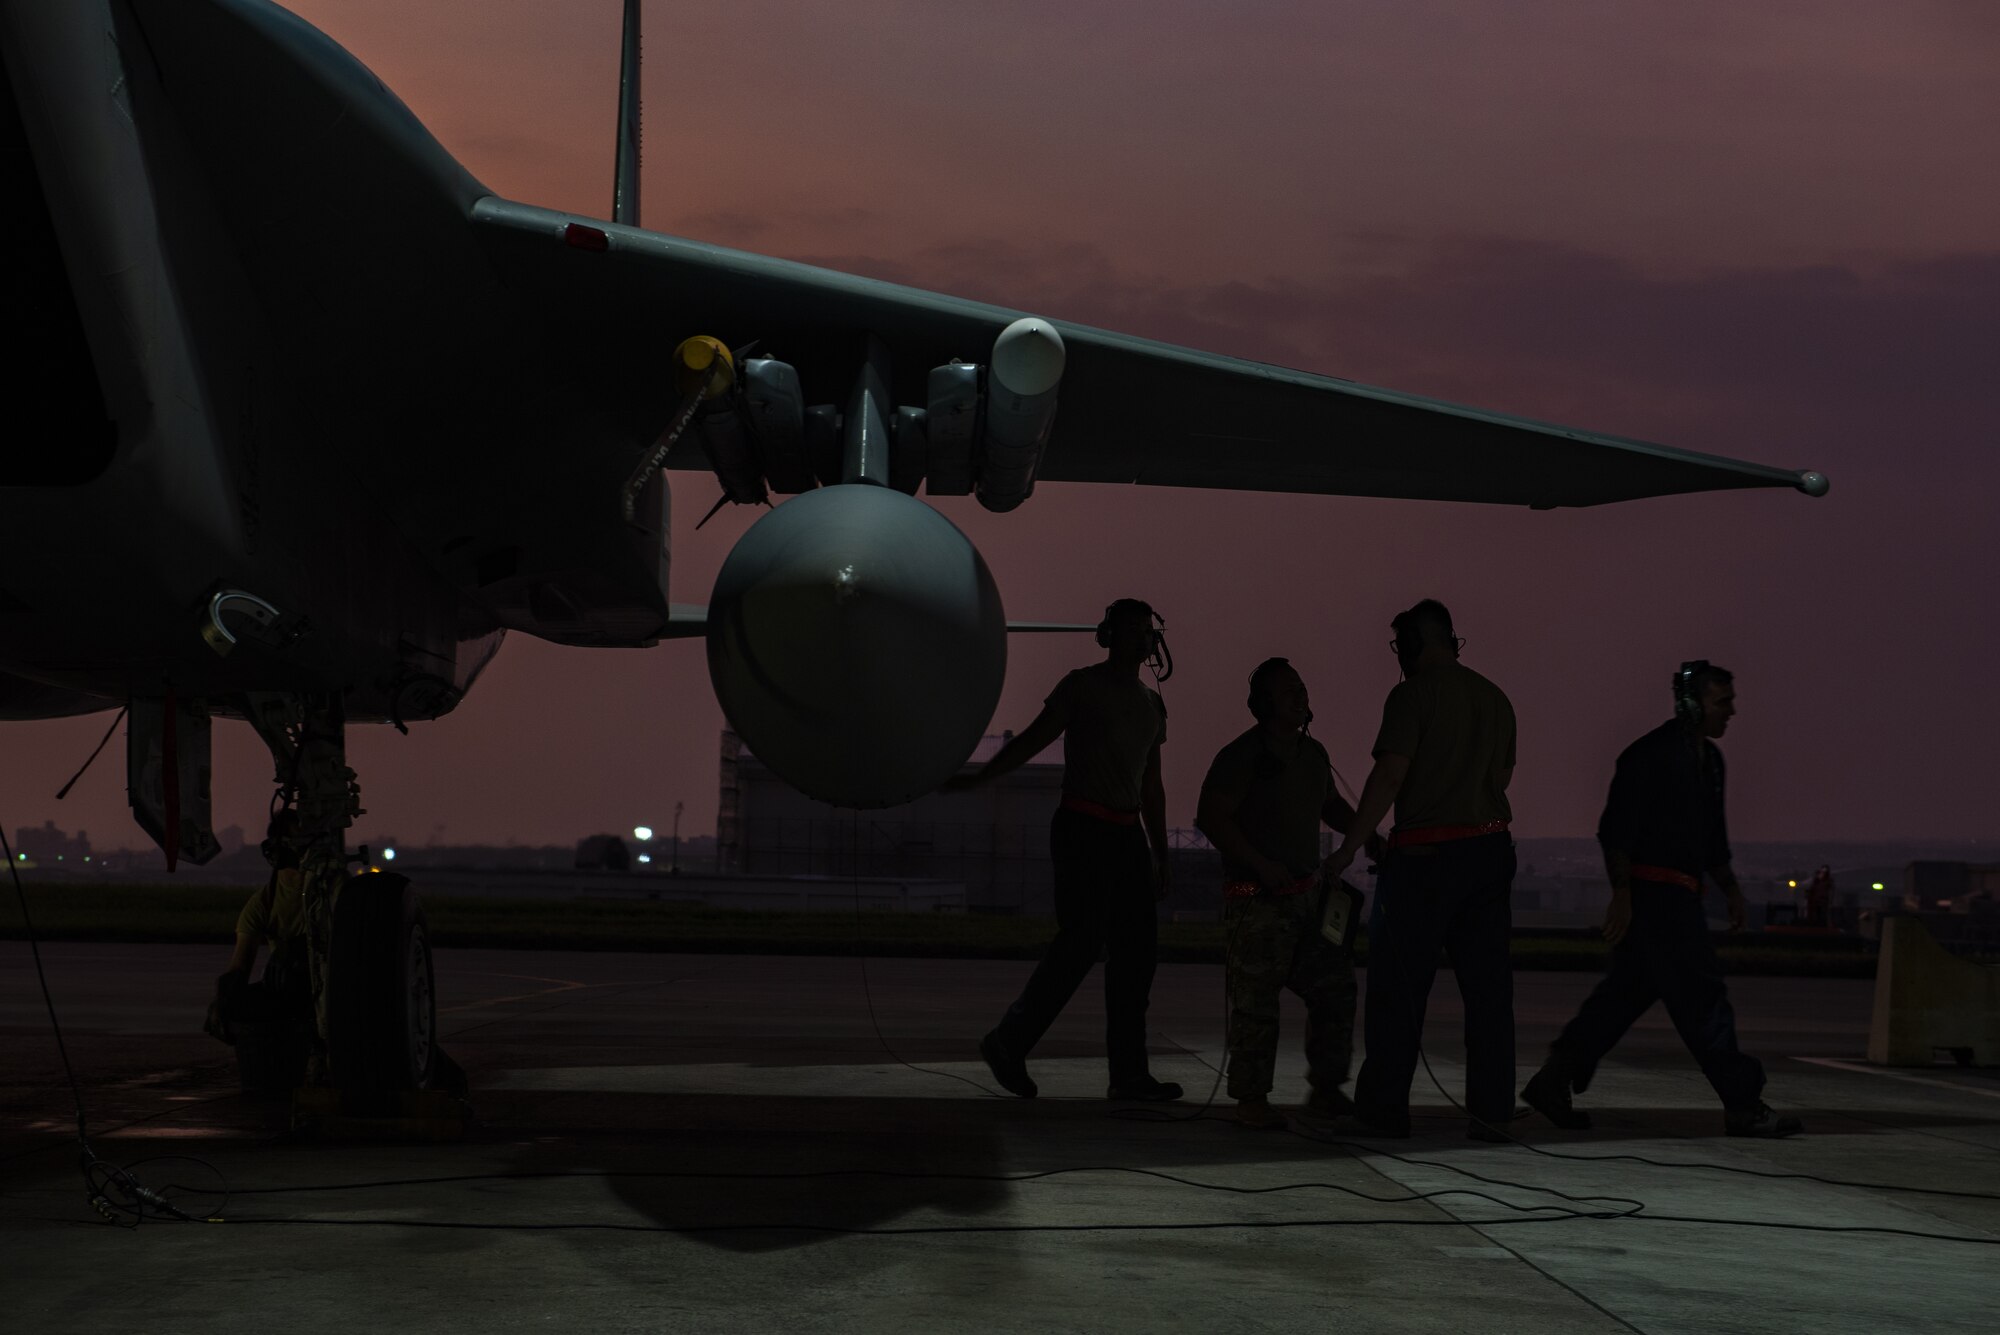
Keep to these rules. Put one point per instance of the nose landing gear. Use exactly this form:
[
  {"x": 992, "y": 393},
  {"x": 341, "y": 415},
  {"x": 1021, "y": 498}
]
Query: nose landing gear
[{"x": 382, "y": 1071}]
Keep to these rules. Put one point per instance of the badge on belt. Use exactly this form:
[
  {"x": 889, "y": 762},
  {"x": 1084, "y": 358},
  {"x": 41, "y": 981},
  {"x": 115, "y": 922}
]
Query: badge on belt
[{"x": 1340, "y": 920}]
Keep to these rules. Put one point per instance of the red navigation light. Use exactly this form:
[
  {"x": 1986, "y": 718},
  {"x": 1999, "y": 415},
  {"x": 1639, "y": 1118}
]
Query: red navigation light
[{"x": 586, "y": 238}]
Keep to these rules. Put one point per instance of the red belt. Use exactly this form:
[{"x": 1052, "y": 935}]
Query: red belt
[
  {"x": 1248, "y": 889},
  {"x": 1667, "y": 876},
  {"x": 1085, "y": 807},
  {"x": 1440, "y": 834}
]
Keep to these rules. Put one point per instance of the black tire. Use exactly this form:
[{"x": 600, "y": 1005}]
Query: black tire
[{"x": 381, "y": 1003}]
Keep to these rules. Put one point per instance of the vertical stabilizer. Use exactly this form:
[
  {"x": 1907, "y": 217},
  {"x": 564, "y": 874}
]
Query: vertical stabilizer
[{"x": 625, "y": 188}]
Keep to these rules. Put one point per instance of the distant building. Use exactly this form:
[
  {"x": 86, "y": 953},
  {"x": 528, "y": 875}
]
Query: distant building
[
  {"x": 605, "y": 852},
  {"x": 993, "y": 840},
  {"x": 1950, "y": 887},
  {"x": 47, "y": 846}
]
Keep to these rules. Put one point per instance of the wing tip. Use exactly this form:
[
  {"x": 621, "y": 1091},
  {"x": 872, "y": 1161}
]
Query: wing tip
[{"x": 1812, "y": 483}]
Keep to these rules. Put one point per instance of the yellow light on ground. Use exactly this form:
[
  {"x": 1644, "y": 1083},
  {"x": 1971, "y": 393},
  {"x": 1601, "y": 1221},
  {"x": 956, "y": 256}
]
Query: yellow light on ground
[
  {"x": 1880, "y": 886},
  {"x": 1793, "y": 884}
]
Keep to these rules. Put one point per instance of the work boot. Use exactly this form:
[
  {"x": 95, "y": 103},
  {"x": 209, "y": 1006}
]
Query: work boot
[
  {"x": 1143, "y": 1090},
  {"x": 1382, "y": 1123},
  {"x": 1259, "y": 1115},
  {"x": 1761, "y": 1121},
  {"x": 1547, "y": 1092},
  {"x": 1326, "y": 1105},
  {"x": 1008, "y": 1069}
]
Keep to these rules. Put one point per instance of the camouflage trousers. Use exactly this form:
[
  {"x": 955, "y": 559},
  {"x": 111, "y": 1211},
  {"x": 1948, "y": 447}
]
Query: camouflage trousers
[{"x": 1275, "y": 943}]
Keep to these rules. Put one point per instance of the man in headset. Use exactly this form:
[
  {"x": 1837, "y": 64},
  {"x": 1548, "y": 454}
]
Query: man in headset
[
  {"x": 1108, "y": 843},
  {"x": 1261, "y": 806},
  {"x": 1443, "y": 758},
  {"x": 1662, "y": 831}
]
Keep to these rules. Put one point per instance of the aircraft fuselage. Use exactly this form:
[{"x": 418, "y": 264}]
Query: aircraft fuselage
[{"x": 181, "y": 449}]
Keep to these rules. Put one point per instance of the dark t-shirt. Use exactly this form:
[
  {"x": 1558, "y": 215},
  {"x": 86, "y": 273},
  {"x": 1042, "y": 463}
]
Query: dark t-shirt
[
  {"x": 1666, "y": 803},
  {"x": 1457, "y": 730},
  {"x": 1113, "y": 722},
  {"x": 1279, "y": 800}
]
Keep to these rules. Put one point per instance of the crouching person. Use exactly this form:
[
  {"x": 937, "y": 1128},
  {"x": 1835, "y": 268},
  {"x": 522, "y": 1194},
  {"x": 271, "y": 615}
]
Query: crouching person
[{"x": 270, "y": 1022}]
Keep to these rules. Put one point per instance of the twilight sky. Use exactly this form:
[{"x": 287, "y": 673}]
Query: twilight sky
[{"x": 1765, "y": 231}]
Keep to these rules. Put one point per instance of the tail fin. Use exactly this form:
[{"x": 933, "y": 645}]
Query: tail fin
[{"x": 625, "y": 187}]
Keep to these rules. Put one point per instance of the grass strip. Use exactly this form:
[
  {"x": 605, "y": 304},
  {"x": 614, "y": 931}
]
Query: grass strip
[{"x": 206, "y": 914}]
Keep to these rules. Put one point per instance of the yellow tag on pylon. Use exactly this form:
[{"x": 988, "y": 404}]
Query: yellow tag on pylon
[{"x": 703, "y": 366}]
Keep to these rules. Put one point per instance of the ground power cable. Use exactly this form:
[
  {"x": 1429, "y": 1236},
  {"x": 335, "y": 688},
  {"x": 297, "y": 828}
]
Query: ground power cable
[
  {"x": 1547, "y": 1213},
  {"x": 101, "y": 1178},
  {"x": 1522, "y": 1213},
  {"x": 868, "y": 991},
  {"x": 91, "y": 759},
  {"x": 1160, "y": 1115},
  {"x": 1647, "y": 1161},
  {"x": 141, "y": 1202},
  {"x": 1573, "y": 1208},
  {"x": 1709, "y": 1167},
  {"x": 1356, "y": 1146},
  {"x": 1215, "y": 1086},
  {"x": 1215, "y": 1225},
  {"x": 1550, "y": 1211},
  {"x": 173, "y": 1111}
]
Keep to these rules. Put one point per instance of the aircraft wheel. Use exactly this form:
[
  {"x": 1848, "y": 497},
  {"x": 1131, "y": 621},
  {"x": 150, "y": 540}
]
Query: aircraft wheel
[{"x": 381, "y": 1014}]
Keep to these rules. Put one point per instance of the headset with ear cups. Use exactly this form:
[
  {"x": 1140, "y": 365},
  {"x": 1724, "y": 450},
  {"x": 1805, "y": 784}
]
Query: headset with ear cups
[
  {"x": 1260, "y": 676},
  {"x": 1687, "y": 698},
  {"x": 1139, "y": 605},
  {"x": 1161, "y": 658}
]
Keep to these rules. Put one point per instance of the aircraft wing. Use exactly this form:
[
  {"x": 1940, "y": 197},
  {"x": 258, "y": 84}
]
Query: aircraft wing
[
  {"x": 1131, "y": 410},
  {"x": 354, "y": 230}
]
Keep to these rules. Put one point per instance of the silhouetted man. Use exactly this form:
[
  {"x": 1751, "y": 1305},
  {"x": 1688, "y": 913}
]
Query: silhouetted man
[
  {"x": 1819, "y": 897},
  {"x": 1261, "y": 806},
  {"x": 1108, "y": 844},
  {"x": 1662, "y": 830},
  {"x": 1444, "y": 758}
]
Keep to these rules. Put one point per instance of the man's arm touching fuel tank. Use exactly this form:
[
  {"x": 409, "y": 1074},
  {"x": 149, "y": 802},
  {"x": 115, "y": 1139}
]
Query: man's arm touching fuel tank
[{"x": 1022, "y": 747}]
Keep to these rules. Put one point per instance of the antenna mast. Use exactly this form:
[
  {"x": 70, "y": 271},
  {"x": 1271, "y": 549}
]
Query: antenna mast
[{"x": 625, "y": 185}]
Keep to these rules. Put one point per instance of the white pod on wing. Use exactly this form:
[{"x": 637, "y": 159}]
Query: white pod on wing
[{"x": 1021, "y": 383}]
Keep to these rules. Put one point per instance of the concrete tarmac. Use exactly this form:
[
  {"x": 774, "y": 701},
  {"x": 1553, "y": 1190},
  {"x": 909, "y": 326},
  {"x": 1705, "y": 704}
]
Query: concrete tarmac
[{"x": 725, "y": 1143}]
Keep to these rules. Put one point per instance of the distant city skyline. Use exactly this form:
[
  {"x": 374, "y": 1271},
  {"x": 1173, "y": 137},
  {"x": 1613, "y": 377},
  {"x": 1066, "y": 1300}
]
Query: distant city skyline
[{"x": 1762, "y": 231}]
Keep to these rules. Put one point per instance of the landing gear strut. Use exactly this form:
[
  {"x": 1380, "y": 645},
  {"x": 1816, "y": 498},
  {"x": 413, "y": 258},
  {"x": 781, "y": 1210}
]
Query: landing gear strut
[{"x": 368, "y": 943}]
